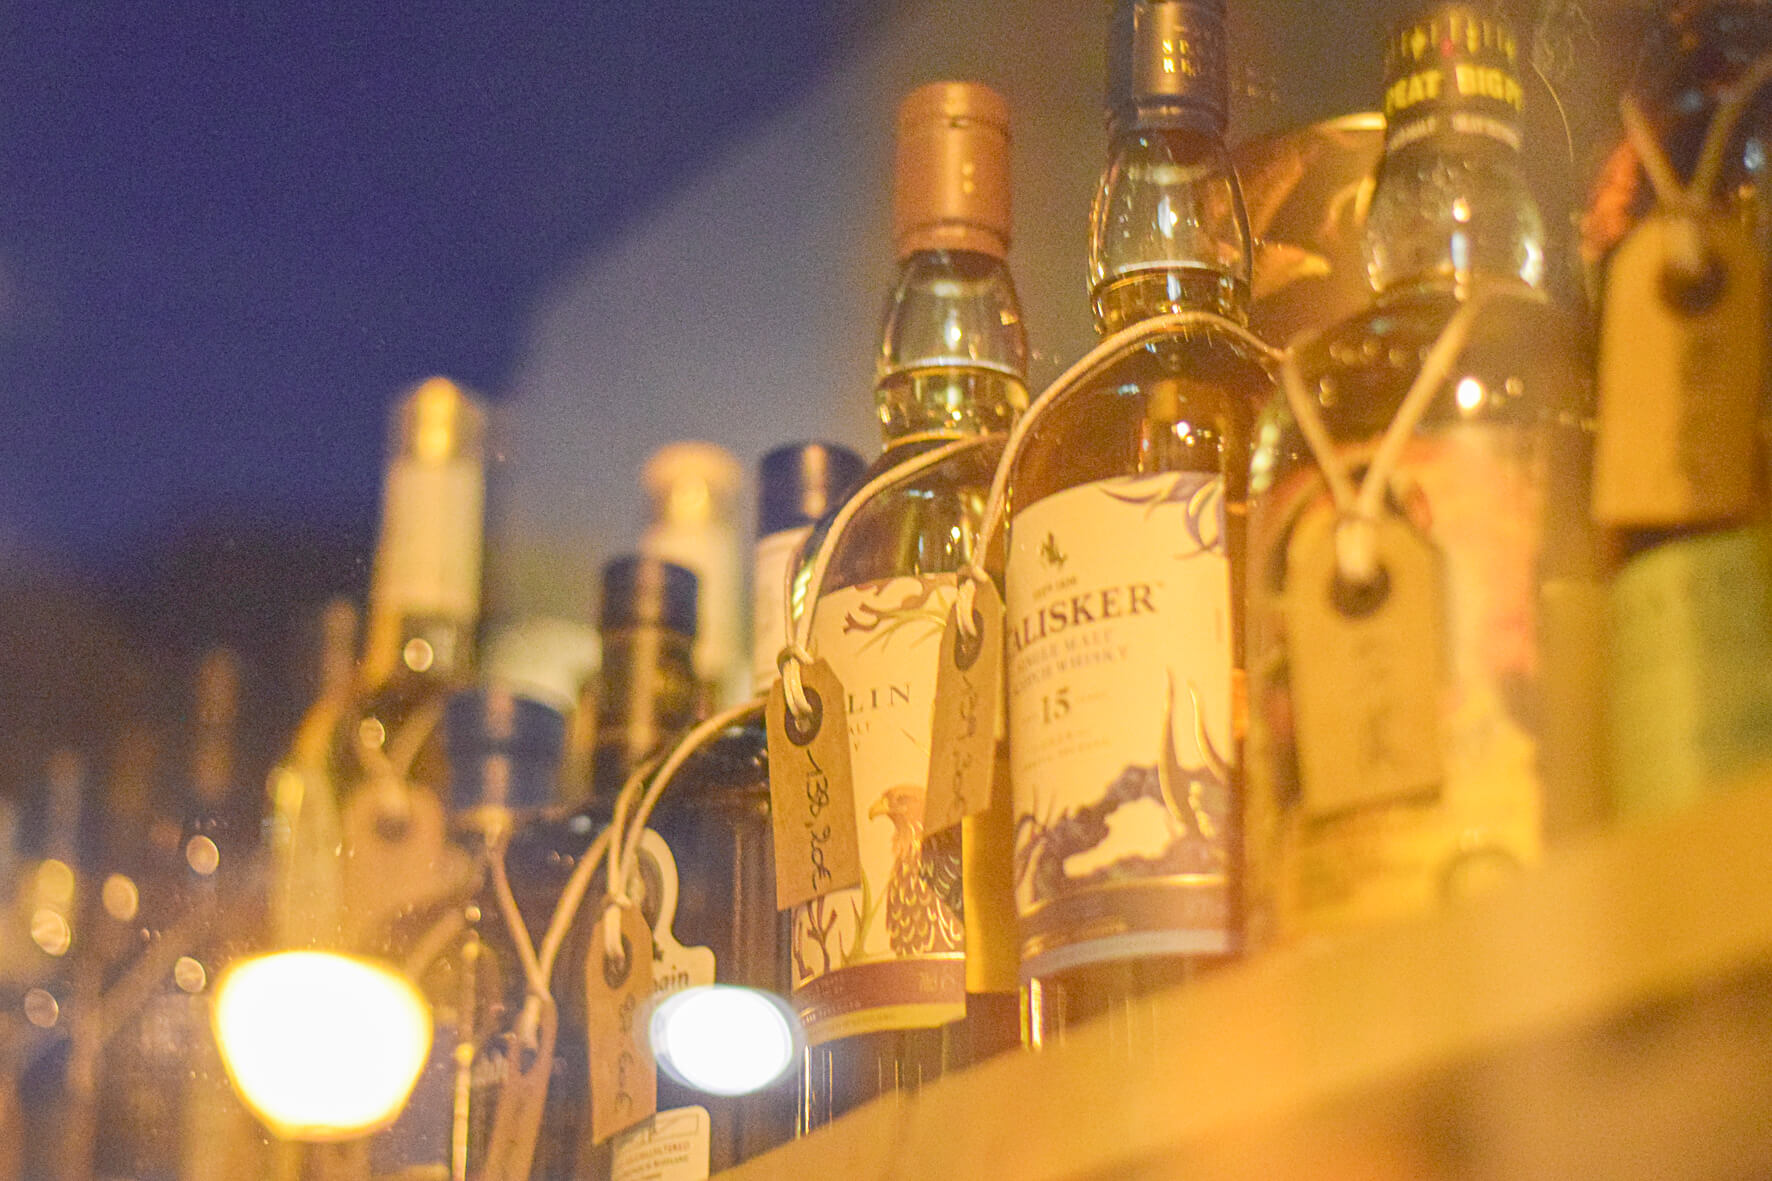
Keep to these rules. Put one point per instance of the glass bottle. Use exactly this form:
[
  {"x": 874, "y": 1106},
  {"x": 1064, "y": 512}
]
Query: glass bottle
[
  {"x": 646, "y": 698},
  {"x": 1689, "y": 669},
  {"x": 692, "y": 489},
  {"x": 1125, "y": 568},
  {"x": 1492, "y": 483},
  {"x": 880, "y": 978},
  {"x": 708, "y": 850},
  {"x": 419, "y": 647}
]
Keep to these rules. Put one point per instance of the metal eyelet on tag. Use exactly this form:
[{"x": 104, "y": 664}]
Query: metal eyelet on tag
[
  {"x": 1680, "y": 375},
  {"x": 811, "y": 792},
  {"x": 967, "y": 714},
  {"x": 1367, "y": 666}
]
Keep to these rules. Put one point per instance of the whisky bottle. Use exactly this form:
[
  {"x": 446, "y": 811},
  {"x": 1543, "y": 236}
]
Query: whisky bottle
[
  {"x": 423, "y": 611},
  {"x": 1124, "y": 587},
  {"x": 646, "y": 697},
  {"x": 691, "y": 488},
  {"x": 386, "y": 759},
  {"x": 504, "y": 752},
  {"x": 1689, "y": 654},
  {"x": 1412, "y": 731},
  {"x": 711, "y": 855},
  {"x": 879, "y": 970}
]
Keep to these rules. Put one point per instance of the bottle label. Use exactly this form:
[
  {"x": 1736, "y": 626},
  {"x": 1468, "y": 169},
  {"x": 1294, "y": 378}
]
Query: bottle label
[
  {"x": 889, "y": 954},
  {"x": 1120, "y": 721},
  {"x": 429, "y": 562},
  {"x": 672, "y": 1146},
  {"x": 1455, "y": 72},
  {"x": 1477, "y": 494},
  {"x": 674, "y": 967},
  {"x": 1690, "y": 680},
  {"x": 768, "y": 622}
]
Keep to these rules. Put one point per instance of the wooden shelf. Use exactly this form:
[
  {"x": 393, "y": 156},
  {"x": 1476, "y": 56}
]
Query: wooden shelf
[{"x": 1609, "y": 1015}]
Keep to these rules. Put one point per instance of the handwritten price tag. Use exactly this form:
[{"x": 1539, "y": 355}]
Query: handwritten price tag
[
  {"x": 624, "y": 1076},
  {"x": 968, "y": 710},
  {"x": 811, "y": 794},
  {"x": 1368, "y": 667}
]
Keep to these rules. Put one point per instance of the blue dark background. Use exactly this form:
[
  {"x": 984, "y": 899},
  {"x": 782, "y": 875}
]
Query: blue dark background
[{"x": 230, "y": 233}]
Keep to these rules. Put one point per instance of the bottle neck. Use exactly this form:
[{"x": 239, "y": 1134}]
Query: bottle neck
[
  {"x": 1450, "y": 210},
  {"x": 953, "y": 352},
  {"x": 424, "y": 598},
  {"x": 646, "y": 697},
  {"x": 1168, "y": 231}
]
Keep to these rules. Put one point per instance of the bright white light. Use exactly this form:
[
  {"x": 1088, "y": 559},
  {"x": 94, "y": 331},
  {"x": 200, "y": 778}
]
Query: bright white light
[
  {"x": 321, "y": 1046},
  {"x": 1468, "y": 394},
  {"x": 725, "y": 1040}
]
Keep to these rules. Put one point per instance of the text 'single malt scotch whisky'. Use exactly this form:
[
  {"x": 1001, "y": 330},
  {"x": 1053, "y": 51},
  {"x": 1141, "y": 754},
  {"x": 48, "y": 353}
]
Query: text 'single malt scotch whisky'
[
  {"x": 1421, "y": 710},
  {"x": 879, "y": 971},
  {"x": 1125, "y": 567}
]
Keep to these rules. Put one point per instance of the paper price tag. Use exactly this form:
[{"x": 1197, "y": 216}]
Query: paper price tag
[
  {"x": 1366, "y": 665},
  {"x": 1679, "y": 373},
  {"x": 624, "y": 1076},
  {"x": 967, "y": 714},
  {"x": 811, "y": 792}
]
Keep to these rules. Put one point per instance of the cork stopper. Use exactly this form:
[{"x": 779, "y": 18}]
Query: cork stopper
[
  {"x": 691, "y": 481},
  {"x": 952, "y": 181}
]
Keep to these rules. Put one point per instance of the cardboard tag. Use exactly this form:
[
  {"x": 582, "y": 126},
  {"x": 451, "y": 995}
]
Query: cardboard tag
[
  {"x": 1367, "y": 667},
  {"x": 516, "y": 1124},
  {"x": 1680, "y": 360},
  {"x": 811, "y": 793},
  {"x": 624, "y": 1075},
  {"x": 967, "y": 715}
]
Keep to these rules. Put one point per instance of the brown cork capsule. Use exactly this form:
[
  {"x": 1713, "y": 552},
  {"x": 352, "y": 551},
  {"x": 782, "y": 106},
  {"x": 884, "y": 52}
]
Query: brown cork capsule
[{"x": 952, "y": 186}]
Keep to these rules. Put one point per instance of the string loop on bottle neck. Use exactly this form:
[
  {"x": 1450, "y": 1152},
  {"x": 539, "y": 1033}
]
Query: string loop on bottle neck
[
  {"x": 798, "y": 652},
  {"x": 1691, "y": 201},
  {"x": 1358, "y": 508},
  {"x": 1109, "y": 351}
]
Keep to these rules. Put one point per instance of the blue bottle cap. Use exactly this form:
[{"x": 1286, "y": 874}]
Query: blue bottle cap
[{"x": 504, "y": 751}]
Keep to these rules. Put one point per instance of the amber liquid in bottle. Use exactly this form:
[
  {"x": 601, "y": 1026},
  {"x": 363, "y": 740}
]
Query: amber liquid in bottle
[
  {"x": 881, "y": 973},
  {"x": 1112, "y": 488},
  {"x": 1494, "y": 479}
]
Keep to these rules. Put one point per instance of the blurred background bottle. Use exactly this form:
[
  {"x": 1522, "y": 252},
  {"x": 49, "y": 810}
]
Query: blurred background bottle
[
  {"x": 712, "y": 858},
  {"x": 646, "y": 698},
  {"x": 692, "y": 491}
]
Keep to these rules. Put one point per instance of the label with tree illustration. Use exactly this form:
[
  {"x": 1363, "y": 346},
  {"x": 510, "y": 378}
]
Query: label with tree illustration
[
  {"x": 1120, "y": 731},
  {"x": 889, "y": 954}
]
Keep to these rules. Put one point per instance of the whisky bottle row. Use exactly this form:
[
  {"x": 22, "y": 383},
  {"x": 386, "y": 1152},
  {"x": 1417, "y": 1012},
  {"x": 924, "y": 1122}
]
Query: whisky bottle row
[{"x": 1217, "y": 644}]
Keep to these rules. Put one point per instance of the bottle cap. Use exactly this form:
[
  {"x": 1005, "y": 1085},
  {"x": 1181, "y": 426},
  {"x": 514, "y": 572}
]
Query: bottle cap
[
  {"x": 638, "y": 589},
  {"x": 798, "y": 483},
  {"x": 504, "y": 751},
  {"x": 691, "y": 482},
  {"x": 1167, "y": 66},
  {"x": 1454, "y": 69},
  {"x": 439, "y": 421},
  {"x": 951, "y": 188}
]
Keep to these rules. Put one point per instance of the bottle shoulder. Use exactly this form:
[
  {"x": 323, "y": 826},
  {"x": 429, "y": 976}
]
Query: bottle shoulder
[
  {"x": 1525, "y": 362},
  {"x": 923, "y": 525}
]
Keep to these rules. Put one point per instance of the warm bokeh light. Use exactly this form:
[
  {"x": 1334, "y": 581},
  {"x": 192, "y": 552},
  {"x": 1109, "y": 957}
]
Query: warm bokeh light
[
  {"x": 120, "y": 897},
  {"x": 50, "y": 931},
  {"x": 189, "y": 974},
  {"x": 321, "y": 1046},
  {"x": 725, "y": 1040},
  {"x": 55, "y": 882},
  {"x": 202, "y": 855},
  {"x": 42, "y": 1009}
]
